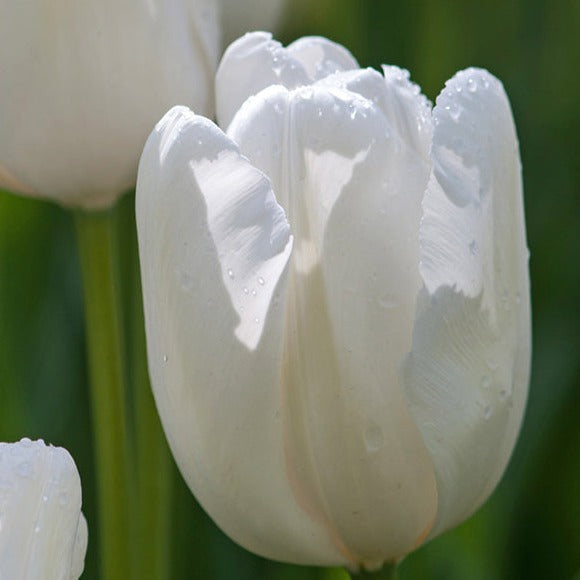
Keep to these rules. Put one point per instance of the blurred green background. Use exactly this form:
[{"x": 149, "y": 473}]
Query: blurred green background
[{"x": 530, "y": 528}]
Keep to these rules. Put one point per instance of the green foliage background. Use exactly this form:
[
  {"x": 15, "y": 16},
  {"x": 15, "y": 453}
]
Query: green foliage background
[{"x": 530, "y": 528}]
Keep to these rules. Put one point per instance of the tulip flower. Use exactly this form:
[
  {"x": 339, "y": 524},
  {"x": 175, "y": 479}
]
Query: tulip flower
[
  {"x": 337, "y": 302},
  {"x": 43, "y": 534},
  {"x": 84, "y": 82}
]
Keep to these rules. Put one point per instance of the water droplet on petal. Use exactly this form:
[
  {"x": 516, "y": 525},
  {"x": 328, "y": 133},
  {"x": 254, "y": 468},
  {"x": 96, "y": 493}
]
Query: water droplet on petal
[
  {"x": 165, "y": 358},
  {"x": 261, "y": 281},
  {"x": 492, "y": 364},
  {"x": 471, "y": 85},
  {"x": 246, "y": 291},
  {"x": 486, "y": 382},
  {"x": 24, "y": 469},
  {"x": 25, "y": 442},
  {"x": 473, "y": 248},
  {"x": 374, "y": 438},
  {"x": 254, "y": 292},
  {"x": 37, "y": 529},
  {"x": 231, "y": 273},
  {"x": 44, "y": 498},
  {"x": 487, "y": 412},
  {"x": 388, "y": 301}
]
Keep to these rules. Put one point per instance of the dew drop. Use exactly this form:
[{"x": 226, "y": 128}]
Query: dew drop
[
  {"x": 487, "y": 412},
  {"x": 374, "y": 438},
  {"x": 186, "y": 281},
  {"x": 492, "y": 364},
  {"x": 165, "y": 358},
  {"x": 24, "y": 469},
  {"x": 25, "y": 442},
  {"x": 471, "y": 85},
  {"x": 44, "y": 498},
  {"x": 254, "y": 292},
  {"x": 37, "y": 530},
  {"x": 257, "y": 320},
  {"x": 388, "y": 301},
  {"x": 246, "y": 291},
  {"x": 453, "y": 110},
  {"x": 261, "y": 281},
  {"x": 473, "y": 248},
  {"x": 486, "y": 382},
  {"x": 231, "y": 273}
]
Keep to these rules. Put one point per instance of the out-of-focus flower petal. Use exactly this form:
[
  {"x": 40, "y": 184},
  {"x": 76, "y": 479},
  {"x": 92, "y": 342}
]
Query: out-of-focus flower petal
[
  {"x": 84, "y": 82},
  {"x": 468, "y": 372},
  {"x": 256, "y": 61},
  {"x": 41, "y": 534}
]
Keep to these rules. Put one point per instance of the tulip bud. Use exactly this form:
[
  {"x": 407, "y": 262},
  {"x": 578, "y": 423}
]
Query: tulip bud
[
  {"x": 43, "y": 533},
  {"x": 84, "y": 82},
  {"x": 337, "y": 302}
]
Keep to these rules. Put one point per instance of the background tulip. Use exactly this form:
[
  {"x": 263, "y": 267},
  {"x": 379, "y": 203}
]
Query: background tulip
[
  {"x": 336, "y": 297},
  {"x": 43, "y": 533},
  {"x": 83, "y": 83}
]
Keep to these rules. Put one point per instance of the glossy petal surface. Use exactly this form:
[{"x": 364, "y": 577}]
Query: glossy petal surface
[
  {"x": 468, "y": 372},
  {"x": 344, "y": 172},
  {"x": 42, "y": 531},
  {"x": 256, "y": 61},
  {"x": 76, "y": 106},
  {"x": 214, "y": 249}
]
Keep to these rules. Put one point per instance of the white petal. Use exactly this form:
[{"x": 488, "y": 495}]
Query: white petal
[
  {"x": 351, "y": 185},
  {"x": 77, "y": 106},
  {"x": 40, "y": 508},
  {"x": 467, "y": 376},
  {"x": 256, "y": 61},
  {"x": 401, "y": 100},
  {"x": 214, "y": 248},
  {"x": 321, "y": 57},
  {"x": 80, "y": 549}
]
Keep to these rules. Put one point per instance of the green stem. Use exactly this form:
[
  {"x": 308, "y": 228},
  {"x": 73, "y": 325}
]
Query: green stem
[
  {"x": 387, "y": 572},
  {"x": 97, "y": 250},
  {"x": 155, "y": 465}
]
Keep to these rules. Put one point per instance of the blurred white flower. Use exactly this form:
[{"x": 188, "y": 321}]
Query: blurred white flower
[
  {"x": 337, "y": 301},
  {"x": 43, "y": 534},
  {"x": 84, "y": 82}
]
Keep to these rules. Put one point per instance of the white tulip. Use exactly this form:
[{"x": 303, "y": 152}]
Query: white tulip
[
  {"x": 337, "y": 303},
  {"x": 43, "y": 534},
  {"x": 82, "y": 83}
]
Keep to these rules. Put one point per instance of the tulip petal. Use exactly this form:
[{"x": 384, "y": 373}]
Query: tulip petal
[
  {"x": 468, "y": 372},
  {"x": 40, "y": 513},
  {"x": 214, "y": 248},
  {"x": 346, "y": 173},
  {"x": 401, "y": 100},
  {"x": 256, "y": 61}
]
